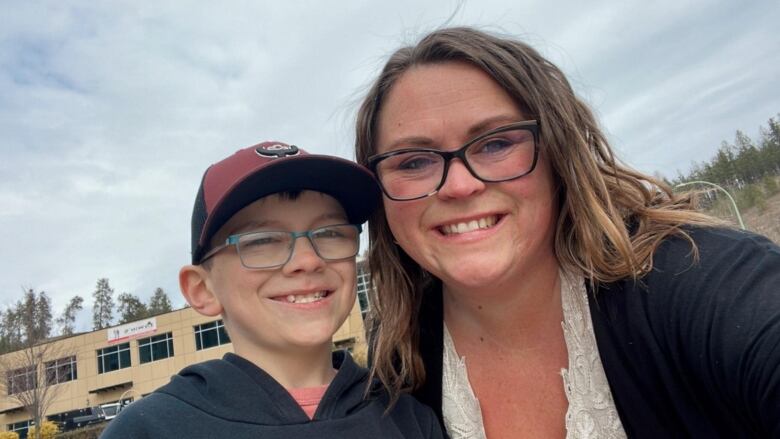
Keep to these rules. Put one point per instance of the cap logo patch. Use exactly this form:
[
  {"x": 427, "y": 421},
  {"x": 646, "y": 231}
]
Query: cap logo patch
[{"x": 276, "y": 150}]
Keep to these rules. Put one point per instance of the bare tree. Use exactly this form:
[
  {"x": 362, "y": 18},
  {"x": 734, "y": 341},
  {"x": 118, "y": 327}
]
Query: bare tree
[
  {"x": 32, "y": 371},
  {"x": 32, "y": 374}
]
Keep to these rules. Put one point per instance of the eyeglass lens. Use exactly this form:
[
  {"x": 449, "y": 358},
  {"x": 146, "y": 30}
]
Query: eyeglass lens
[
  {"x": 497, "y": 157},
  {"x": 270, "y": 249}
]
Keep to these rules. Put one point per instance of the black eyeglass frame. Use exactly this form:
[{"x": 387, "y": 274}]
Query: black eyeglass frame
[{"x": 530, "y": 125}]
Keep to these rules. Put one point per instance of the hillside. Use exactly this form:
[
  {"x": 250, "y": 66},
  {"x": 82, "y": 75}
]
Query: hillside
[{"x": 766, "y": 222}]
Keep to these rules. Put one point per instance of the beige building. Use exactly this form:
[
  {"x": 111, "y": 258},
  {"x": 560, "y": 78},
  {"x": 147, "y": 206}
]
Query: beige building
[{"x": 128, "y": 361}]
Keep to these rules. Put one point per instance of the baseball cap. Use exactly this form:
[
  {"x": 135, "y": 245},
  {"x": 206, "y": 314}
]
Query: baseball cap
[{"x": 271, "y": 167}]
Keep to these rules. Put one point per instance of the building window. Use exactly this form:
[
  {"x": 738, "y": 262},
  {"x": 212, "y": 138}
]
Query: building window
[
  {"x": 61, "y": 370},
  {"x": 210, "y": 334},
  {"x": 21, "y": 380},
  {"x": 155, "y": 348},
  {"x": 113, "y": 358},
  {"x": 347, "y": 344},
  {"x": 363, "y": 287},
  {"x": 20, "y": 427}
]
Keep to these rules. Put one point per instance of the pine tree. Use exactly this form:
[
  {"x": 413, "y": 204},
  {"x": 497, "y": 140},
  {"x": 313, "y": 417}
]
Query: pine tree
[
  {"x": 11, "y": 334},
  {"x": 131, "y": 308},
  {"x": 102, "y": 305},
  {"x": 67, "y": 321},
  {"x": 34, "y": 316},
  {"x": 159, "y": 303}
]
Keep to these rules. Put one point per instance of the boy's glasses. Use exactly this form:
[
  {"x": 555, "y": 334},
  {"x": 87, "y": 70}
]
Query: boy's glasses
[
  {"x": 271, "y": 249},
  {"x": 502, "y": 154}
]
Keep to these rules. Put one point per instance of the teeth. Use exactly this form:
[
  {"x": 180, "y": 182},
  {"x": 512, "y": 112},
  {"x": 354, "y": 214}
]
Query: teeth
[
  {"x": 482, "y": 223},
  {"x": 306, "y": 298}
]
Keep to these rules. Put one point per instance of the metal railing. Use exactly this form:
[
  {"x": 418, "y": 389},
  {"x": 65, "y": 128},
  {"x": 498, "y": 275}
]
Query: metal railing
[{"x": 720, "y": 188}]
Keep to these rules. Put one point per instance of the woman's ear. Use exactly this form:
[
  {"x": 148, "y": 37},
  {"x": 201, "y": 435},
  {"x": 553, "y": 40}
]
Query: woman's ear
[{"x": 196, "y": 289}]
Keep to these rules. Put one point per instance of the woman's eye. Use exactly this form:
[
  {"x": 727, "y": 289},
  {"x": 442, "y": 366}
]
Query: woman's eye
[
  {"x": 494, "y": 146},
  {"x": 415, "y": 163}
]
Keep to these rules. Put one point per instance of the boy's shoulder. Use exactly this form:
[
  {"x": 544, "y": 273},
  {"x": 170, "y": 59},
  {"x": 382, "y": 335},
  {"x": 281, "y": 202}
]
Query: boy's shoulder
[
  {"x": 148, "y": 417},
  {"x": 188, "y": 401}
]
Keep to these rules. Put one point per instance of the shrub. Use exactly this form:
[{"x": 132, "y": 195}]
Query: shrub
[
  {"x": 770, "y": 185},
  {"x": 9, "y": 435},
  {"x": 48, "y": 431},
  {"x": 360, "y": 354},
  {"x": 88, "y": 432},
  {"x": 751, "y": 196}
]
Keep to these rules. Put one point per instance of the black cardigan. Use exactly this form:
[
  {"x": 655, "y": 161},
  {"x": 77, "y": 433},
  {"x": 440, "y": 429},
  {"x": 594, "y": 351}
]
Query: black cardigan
[{"x": 690, "y": 350}]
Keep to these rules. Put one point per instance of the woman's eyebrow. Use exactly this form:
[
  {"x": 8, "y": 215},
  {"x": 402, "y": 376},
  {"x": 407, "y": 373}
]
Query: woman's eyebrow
[
  {"x": 492, "y": 122},
  {"x": 473, "y": 131},
  {"x": 409, "y": 141}
]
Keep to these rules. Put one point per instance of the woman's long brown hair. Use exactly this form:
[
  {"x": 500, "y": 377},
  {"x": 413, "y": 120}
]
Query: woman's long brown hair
[{"x": 599, "y": 198}]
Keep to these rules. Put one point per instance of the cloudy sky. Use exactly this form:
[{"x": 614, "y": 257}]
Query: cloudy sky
[{"x": 110, "y": 111}]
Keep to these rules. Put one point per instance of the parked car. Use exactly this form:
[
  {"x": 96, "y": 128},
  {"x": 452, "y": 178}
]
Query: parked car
[
  {"x": 91, "y": 415},
  {"x": 111, "y": 410}
]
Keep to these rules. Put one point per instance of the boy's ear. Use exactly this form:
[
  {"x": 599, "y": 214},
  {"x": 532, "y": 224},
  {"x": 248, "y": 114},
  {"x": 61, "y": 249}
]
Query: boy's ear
[{"x": 196, "y": 289}]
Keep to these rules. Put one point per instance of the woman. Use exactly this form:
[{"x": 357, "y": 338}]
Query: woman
[{"x": 528, "y": 285}]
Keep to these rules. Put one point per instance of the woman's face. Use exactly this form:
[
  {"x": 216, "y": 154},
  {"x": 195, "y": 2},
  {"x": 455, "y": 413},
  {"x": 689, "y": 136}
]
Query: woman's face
[{"x": 470, "y": 234}]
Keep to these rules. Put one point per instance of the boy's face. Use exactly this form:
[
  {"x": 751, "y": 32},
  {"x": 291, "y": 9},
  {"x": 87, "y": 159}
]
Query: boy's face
[{"x": 256, "y": 307}]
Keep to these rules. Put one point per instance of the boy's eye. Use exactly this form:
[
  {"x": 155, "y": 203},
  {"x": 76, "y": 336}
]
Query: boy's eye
[
  {"x": 335, "y": 233},
  {"x": 328, "y": 233},
  {"x": 262, "y": 240}
]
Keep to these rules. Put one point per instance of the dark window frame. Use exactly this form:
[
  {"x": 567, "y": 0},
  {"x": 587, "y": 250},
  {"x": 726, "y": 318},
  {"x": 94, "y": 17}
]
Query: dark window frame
[
  {"x": 61, "y": 370},
  {"x": 21, "y": 379},
  {"x": 152, "y": 345},
  {"x": 207, "y": 333},
  {"x": 123, "y": 360}
]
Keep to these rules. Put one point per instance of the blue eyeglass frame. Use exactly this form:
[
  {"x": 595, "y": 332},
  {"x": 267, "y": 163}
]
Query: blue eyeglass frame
[
  {"x": 447, "y": 156},
  {"x": 234, "y": 239}
]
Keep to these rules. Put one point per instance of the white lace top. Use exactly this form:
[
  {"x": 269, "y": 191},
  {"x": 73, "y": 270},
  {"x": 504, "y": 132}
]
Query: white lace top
[{"x": 591, "y": 412}]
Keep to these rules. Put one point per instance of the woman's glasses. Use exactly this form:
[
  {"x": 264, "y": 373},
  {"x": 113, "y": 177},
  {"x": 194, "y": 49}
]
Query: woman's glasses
[{"x": 502, "y": 154}]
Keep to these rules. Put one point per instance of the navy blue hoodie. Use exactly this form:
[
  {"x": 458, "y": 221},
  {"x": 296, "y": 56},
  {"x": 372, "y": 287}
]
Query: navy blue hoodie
[{"x": 233, "y": 398}]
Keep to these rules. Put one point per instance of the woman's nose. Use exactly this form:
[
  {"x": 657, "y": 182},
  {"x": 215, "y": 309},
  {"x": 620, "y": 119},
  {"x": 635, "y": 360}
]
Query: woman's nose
[{"x": 459, "y": 182}]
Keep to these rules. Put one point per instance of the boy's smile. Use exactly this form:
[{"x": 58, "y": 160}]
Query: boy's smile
[
  {"x": 301, "y": 298},
  {"x": 298, "y": 305}
]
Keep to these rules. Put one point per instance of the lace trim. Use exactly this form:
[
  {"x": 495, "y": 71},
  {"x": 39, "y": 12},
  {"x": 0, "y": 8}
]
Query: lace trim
[
  {"x": 460, "y": 407},
  {"x": 591, "y": 412}
]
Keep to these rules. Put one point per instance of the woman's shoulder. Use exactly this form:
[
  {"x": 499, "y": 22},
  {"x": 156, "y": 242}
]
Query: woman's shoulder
[
  {"x": 700, "y": 254},
  {"x": 706, "y": 312},
  {"x": 713, "y": 242},
  {"x": 717, "y": 280}
]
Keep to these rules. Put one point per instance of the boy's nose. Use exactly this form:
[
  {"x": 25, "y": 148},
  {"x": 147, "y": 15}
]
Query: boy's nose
[{"x": 304, "y": 257}]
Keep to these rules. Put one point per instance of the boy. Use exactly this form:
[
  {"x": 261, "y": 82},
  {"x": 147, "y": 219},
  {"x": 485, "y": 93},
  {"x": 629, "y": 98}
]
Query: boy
[{"x": 275, "y": 232}]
